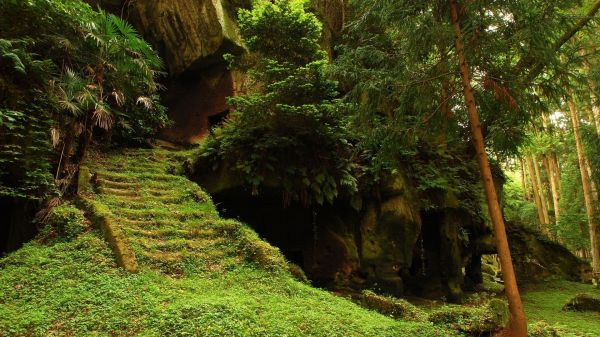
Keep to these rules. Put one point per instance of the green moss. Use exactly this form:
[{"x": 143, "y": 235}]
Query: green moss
[
  {"x": 64, "y": 222},
  {"x": 474, "y": 320},
  {"x": 584, "y": 302},
  {"x": 544, "y": 302},
  {"x": 392, "y": 307},
  {"x": 75, "y": 289}
]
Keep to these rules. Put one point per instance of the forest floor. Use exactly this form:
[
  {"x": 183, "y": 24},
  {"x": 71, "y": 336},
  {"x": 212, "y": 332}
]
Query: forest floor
[
  {"x": 544, "y": 302},
  {"x": 198, "y": 274}
]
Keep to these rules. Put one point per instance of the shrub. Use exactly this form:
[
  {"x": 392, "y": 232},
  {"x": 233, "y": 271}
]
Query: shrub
[
  {"x": 290, "y": 133},
  {"x": 487, "y": 318},
  {"x": 393, "y": 307},
  {"x": 65, "y": 222}
]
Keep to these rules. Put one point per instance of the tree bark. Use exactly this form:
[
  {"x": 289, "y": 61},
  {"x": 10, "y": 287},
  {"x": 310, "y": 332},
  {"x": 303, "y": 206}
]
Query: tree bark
[
  {"x": 587, "y": 190},
  {"x": 595, "y": 109},
  {"x": 557, "y": 170},
  {"x": 536, "y": 193},
  {"x": 526, "y": 192},
  {"x": 553, "y": 187},
  {"x": 517, "y": 323},
  {"x": 542, "y": 194},
  {"x": 552, "y": 174}
]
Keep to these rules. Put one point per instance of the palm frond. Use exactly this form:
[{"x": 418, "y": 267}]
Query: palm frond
[{"x": 102, "y": 117}]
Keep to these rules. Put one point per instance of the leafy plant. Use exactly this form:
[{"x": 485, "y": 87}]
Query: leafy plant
[{"x": 290, "y": 132}]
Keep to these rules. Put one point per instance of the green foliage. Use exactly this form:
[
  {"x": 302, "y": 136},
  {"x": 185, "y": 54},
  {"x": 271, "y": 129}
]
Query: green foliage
[
  {"x": 88, "y": 73},
  {"x": 516, "y": 208},
  {"x": 232, "y": 283},
  {"x": 572, "y": 227},
  {"x": 291, "y": 132},
  {"x": 476, "y": 320},
  {"x": 24, "y": 145},
  {"x": 64, "y": 222},
  {"x": 544, "y": 302},
  {"x": 393, "y": 307}
]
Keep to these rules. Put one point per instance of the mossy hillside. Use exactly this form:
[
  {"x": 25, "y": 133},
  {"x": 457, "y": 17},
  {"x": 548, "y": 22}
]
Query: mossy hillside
[
  {"x": 198, "y": 274},
  {"x": 545, "y": 301},
  {"x": 75, "y": 289}
]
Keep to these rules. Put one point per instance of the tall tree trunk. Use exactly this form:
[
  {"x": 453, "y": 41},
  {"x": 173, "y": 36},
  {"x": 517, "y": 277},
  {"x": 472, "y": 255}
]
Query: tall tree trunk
[
  {"x": 518, "y": 323},
  {"x": 555, "y": 172},
  {"x": 526, "y": 192},
  {"x": 542, "y": 194},
  {"x": 536, "y": 193},
  {"x": 551, "y": 169},
  {"x": 553, "y": 186},
  {"x": 587, "y": 190},
  {"x": 595, "y": 108}
]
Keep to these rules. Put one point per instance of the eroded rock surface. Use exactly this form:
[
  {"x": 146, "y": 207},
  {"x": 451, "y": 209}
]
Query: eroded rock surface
[
  {"x": 536, "y": 257},
  {"x": 190, "y": 34}
]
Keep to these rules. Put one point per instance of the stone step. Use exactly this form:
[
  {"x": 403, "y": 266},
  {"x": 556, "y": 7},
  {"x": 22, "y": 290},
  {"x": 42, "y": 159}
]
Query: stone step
[
  {"x": 177, "y": 245},
  {"x": 133, "y": 214},
  {"x": 118, "y": 192},
  {"x": 163, "y": 199},
  {"x": 118, "y": 184},
  {"x": 171, "y": 233},
  {"x": 123, "y": 177}
]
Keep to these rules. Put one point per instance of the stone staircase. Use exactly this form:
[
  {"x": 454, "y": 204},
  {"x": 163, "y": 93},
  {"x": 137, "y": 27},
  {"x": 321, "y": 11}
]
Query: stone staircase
[{"x": 161, "y": 220}]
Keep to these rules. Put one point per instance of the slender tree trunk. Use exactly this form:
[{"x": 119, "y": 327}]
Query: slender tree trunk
[
  {"x": 595, "y": 108},
  {"x": 587, "y": 191},
  {"x": 553, "y": 186},
  {"x": 526, "y": 192},
  {"x": 536, "y": 193},
  {"x": 552, "y": 176},
  {"x": 518, "y": 323},
  {"x": 555, "y": 171},
  {"x": 542, "y": 194}
]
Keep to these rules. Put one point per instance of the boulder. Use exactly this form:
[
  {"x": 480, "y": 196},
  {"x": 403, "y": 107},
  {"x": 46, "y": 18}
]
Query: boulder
[
  {"x": 388, "y": 234},
  {"x": 583, "y": 302},
  {"x": 536, "y": 257},
  {"x": 189, "y": 34}
]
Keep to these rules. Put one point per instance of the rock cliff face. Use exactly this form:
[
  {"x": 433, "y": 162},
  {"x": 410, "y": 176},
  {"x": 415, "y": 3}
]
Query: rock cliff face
[
  {"x": 190, "y": 34},
  {"x": 389, "y": 243}
]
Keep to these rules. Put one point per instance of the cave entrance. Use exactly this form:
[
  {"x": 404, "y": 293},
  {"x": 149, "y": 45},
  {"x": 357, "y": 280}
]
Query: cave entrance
[
  {"x": 425, "y": 269},
  {"x": 317, "y": 239},
  {"x": 217, "y": 120},
  {"x": 290, "y": 228}
]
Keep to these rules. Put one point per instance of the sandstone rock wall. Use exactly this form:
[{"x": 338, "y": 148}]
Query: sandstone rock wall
[{"x": 190, "y": 34}]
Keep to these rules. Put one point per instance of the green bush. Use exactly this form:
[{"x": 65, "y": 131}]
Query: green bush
[
  {"x": 476, "y": 320},
  {"x": 291, "y": 133},
  {"x": 543, "y": 329},
  {"x": 69, "y": 74},
  {"x": 65, "y": 222},
  {"x": 393, "y": 307}
]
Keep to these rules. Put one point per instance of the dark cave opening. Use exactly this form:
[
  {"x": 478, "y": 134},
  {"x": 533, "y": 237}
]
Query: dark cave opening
[
  {"x": 217, "y": 120},
  {"x": 17, "y": 226},
  {"x": 306, "y": 236},
  {"x": 425, "y": 268},
  {"x": 290, "y": 228}
]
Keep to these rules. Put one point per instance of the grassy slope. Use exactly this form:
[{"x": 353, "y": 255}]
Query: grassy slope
[
  {"x": 544, "y": 302},
  {"x": 199, "y": 274}
]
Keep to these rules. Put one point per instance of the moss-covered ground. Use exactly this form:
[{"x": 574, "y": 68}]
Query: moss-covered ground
[
  {"x": 544, "y": 302},
  {"x": 199, "y": 275}
]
